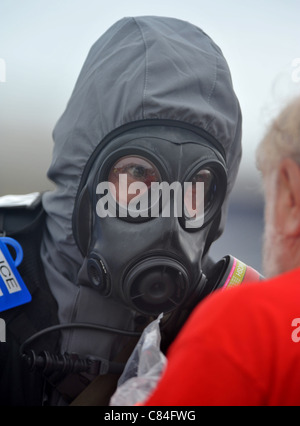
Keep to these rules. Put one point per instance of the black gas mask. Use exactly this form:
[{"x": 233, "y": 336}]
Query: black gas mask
[{"x": 143, "y": 213}]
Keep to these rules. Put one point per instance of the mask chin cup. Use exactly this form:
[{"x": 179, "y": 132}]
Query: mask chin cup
[{"x": 156, "y": 285}]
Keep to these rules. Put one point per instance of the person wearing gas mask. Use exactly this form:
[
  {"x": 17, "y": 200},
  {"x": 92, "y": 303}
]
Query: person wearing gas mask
[
  {"x": 242, "y": 347},
  {"x": 154, "y": 104}
]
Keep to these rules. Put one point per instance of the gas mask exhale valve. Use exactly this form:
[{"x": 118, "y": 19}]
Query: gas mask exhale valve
[{"x": 156, "y": 285}]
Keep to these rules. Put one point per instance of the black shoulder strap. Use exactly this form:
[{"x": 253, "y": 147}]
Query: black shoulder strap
[
  {"x": 18, "y": 386},
  {"x": 17, "y": 218},
  {"x": 26, "y": 225}
]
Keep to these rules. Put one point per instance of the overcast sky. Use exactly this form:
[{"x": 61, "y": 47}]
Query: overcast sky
[{"x": 43, "y": 45}]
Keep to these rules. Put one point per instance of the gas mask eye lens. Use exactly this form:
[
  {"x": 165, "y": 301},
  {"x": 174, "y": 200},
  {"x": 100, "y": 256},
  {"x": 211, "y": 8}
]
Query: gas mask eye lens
[
  {"x": 199, "y": 193},
  {"x": 204, "y": 191},
  {"x": 131, "y": 176}
]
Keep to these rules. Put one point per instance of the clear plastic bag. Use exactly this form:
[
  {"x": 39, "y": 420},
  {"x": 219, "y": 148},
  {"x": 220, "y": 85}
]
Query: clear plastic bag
[{"x": 143, "y": 369}]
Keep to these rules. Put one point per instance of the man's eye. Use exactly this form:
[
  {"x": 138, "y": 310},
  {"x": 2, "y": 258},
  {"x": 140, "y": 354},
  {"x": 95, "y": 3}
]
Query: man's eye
[
  {"x": 137, "y": 172},
  {"x": 134, "y": 169}
]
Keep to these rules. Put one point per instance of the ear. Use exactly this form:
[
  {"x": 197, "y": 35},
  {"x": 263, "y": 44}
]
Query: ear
[{"x": 287, "y": 203}]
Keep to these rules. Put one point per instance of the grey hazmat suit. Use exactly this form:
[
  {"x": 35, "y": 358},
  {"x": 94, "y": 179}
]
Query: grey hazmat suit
[{"x": 142, "y": 70}]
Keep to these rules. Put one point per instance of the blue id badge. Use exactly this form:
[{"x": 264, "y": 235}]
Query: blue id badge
[{"x": 13, "y": 291}]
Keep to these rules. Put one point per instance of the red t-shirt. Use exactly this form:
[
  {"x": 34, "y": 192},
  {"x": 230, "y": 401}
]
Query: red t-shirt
[{"x": 239, "y": 347}]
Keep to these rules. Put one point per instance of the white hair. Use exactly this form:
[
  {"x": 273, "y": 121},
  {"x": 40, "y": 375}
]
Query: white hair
[{"x": 282, "y": 138}]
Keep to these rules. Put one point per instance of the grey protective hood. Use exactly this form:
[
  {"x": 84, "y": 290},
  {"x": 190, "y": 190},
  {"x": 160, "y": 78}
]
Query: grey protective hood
[{"x": 141, "y": 68}]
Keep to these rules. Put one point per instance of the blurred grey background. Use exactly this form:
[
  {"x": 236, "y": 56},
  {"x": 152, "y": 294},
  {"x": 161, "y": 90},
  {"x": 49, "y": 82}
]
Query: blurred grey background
[{"x": 43, "y": 45}]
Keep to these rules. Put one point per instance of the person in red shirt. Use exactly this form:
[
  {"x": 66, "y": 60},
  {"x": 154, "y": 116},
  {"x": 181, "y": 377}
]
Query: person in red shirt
[{"x": 242, "y": 346}]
